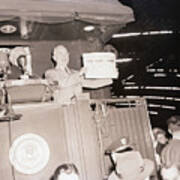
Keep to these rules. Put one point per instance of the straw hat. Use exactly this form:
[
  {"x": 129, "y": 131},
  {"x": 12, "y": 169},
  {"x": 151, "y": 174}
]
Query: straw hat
[{"x": 131, "y": 166}]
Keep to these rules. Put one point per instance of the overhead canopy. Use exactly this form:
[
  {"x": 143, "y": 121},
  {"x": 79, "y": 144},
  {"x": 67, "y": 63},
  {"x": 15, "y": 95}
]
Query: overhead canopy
[{"x": 105, "y": 12}]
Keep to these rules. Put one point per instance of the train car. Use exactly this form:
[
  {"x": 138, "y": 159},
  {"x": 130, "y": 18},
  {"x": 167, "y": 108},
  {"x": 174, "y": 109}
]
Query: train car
[{"x": 40, "y": 128}]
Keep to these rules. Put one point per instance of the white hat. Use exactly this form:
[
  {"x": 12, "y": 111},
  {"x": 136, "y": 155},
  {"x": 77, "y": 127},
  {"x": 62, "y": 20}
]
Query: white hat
[
  {"x": 15, "y": 53},
  {"x": 131, "y": 166}
]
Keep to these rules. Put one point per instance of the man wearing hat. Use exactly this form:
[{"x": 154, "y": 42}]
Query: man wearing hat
[
  {"x": 117, "y": 147},
  {"x": 131, "y": 166}
]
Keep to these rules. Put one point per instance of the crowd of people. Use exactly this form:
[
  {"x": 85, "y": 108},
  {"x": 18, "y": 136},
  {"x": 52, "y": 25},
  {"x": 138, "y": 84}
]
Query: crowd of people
[
  {"x": 67, "y": 83},
  {"x": 168, "y": 150},
  {"x": 128, "y": 163}
]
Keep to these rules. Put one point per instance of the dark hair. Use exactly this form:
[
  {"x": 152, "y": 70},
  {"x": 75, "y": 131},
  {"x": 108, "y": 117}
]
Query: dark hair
[
  {"x": 67, "y": 168},
  {"x": 173, "y": 120},
  {"x": 19, "y": 62}
]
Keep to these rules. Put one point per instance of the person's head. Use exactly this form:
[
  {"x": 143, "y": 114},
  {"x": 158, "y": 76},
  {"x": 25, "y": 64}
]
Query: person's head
[
  {"x": 161, "y": 138},
  {"x": 61, "y": 56},
  {"x": 4, "y": 64},
  {"x": 171, "y": 173},
  {"x": 66, "y": 171},
  {"x": 132, "y": 166},
  {"x": 160, "y": 135},
  {"x": 173, "y": 124},
  {"x": 22, "y": 63},
  {"x": 18, "y": 57},
  {"x": 110, "y": 48}
]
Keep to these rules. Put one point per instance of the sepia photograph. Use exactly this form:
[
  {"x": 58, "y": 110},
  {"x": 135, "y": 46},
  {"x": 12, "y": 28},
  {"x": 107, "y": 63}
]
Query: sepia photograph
[{"x": 89, "y": 90}]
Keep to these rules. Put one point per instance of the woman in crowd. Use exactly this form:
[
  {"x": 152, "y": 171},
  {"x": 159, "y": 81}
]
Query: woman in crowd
[
  {"x": 160, "y": 139},
  {"x": 20, "y": 59},
  {"x": 66, "y": 172}
]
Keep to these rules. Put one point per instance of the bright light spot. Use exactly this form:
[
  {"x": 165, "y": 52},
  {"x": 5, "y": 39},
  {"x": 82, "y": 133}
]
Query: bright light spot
[
  {"x": 141, "y": 33},
  {"x": 153, "y": 113},
  {"x": 89, "y": 28},
  {"x": 123, "y": 60}
]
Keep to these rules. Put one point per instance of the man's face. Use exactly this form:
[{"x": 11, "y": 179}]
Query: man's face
[
  {"x": 174, "y": 127},
  {"x": 171, "y": 173},
  {"x": 161, "y": 138},
  {"x": 22, "y": 62},
  {"x": 61, "y": 57}
]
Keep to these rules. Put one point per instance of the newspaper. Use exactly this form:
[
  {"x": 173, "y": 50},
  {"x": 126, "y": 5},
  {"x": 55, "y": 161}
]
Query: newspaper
[{"x": 100, "y": 65}]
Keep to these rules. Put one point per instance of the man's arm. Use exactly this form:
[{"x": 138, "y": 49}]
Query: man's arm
[{"x": 96, "y": 83}]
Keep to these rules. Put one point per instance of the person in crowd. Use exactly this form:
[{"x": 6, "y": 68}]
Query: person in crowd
[
  {"x": 69, "y": 82},
  {"x": 170, "y": 155},
  {"x": 21, "y": 63},
  {"x": 160, "y": 139},
  {"x": 110, "y": 48},
  {"x": 117, "y": 147},
  {"x": 131, "y": 166},
  {"x": 173, "y": 124},
  {"x": 171, "y": 161},
  {"x": 67, "y": 171},
  {"x": 4, "y": 66},
  {"x": 171, "y": 173}
]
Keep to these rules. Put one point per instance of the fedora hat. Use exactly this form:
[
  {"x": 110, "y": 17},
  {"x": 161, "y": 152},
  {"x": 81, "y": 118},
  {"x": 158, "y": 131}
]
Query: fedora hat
[
  {"x": 131, "y": 166},
  {"x": 119, "y": 146}
]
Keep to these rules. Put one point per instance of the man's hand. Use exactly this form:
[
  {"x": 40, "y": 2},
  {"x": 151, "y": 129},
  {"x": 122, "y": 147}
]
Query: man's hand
[{"x": 82, "y": 71}]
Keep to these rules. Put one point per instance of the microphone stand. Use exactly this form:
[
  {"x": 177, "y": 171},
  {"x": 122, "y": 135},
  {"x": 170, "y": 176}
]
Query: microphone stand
[{"x": 7, "y": 113}]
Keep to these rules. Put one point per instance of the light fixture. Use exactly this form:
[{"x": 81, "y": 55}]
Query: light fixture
[
  {"x": 8, "y": 28},
  {"x": 123, "y": 60},
  {"x": 89, "y": 28},
  {"x": 24, "y": 29}
]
